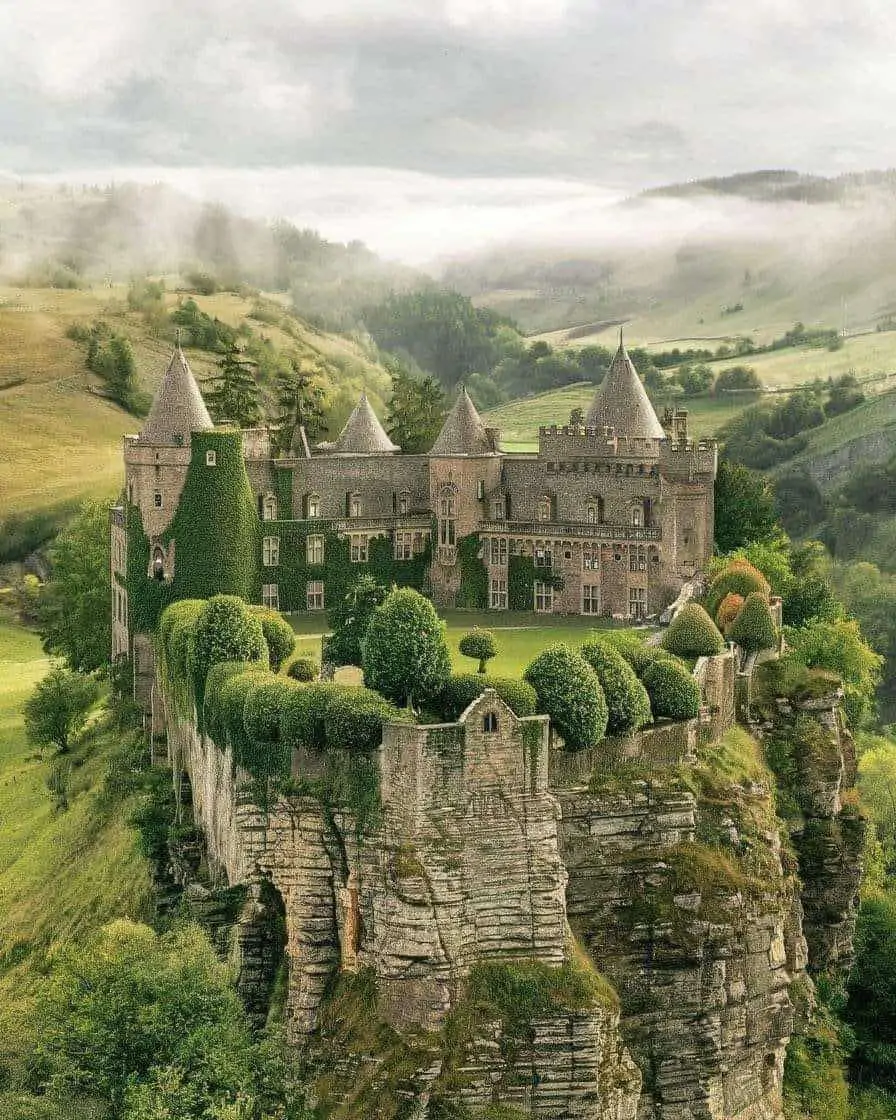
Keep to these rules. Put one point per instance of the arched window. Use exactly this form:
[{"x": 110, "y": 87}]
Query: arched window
[
  {"x": 158, "y": 564},
  {"x": 637, "y": 516},
  {"x": 544, "y": 510},
  {"x": 269, "y": 508}
]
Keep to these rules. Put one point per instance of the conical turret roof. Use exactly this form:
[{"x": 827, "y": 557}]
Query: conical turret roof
[
  {"x": 178, "y": 408},
  {"x": 621, "y": 401},
  {"x": 363, "y": 434},
  {"x": 464, "y": 432}
]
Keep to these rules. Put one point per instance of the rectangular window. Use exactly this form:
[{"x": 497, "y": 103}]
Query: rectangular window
[
  {"x": 637, "y": 602},
  {"x": 493, "y": 549},
  {"x": 313, "y": 505},
  {"x": 498, "y": 595},
  {"x": 354, "y": 506},
  {"x": 544, "y": 557},
  {"x": 404, "y": 546},
  {"x": 480, "y": 490},
  {"x": 502, "y": 552},
  {"x": 211, "y": 458},
  {"x": 270, "y": 595},
  {"x": 544, "y": 597},
  {"x": 590, "y": 598},
  {"x": 270, "y": 552},
  {"x": 590, "y": 558},
  {"x": 403, "y": 503},
  {"x": 314, "y": 550},
  {"x": 359, "y": 550},
  {"x": 157, "y": 499},
  {"x": 314, "y": 595}
]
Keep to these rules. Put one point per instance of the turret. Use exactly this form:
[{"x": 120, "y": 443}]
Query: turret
[{"x": 621, "y": 402}]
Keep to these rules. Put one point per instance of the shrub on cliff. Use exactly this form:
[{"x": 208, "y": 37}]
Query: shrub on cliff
[
  {"x": 740, "y": 578},
  {"x": 350, "y": 617},
  {"x": 728, "y": 610},
  {"x": 264, "y": 708},
  {"x": 354, "y": 718},
  {"x": 692, "y": 633},
  {"x": 480, "y": 645},
  {"x": 628, "y": 705},
  {"x": 462, "y": 689},
  {"x": 225, "y": 630},
  {"x": 404, "y": 653},
  {"x": 754, "y": 628},
  {"x": 303, "y": 669},
  {"x": 213, "y": 720},
  {"x": 279, "y": 636},
  {"x": 234, "y": 694},
  {"x": 569, "y": 692},
  {"x": 303, "y": 715},
  {"x": 673, "y": 692},
  {"x": 177, "y": 626}
]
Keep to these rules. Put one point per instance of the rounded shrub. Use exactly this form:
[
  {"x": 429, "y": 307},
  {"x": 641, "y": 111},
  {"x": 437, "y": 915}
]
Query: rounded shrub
[
  {"x": 264, "y": 708},
  {"x": 631, "y": 647},
  {"x": 739, "y": 578},
  {"x": 232, "y": 697},
  {"x": 463, "y": 688},
  {"x": 213, "y": 719},
  {"x": 479, "y": 644},
  {"x": 404, "y": 653},
  {"x": 673, "y": 692},
  {"x": 692, "y": 633},
  {"x": 226, "y": 630},
  {"x": 728, "y": 610},
  {"x": 628, "y": 705},
  {"x": 279, "y": 636},
  {"x": 354, "y": 718},
  {"x": 569, "y": 692},
  {"x": 754, "y": 627},
  {"x": 303, "y": 715},
  {"x": 303, "y": 669}
]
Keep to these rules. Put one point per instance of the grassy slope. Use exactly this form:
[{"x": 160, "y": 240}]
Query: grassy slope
[
  {"x": 64, "y": 443},
  {"x": 61, "y": 874}
]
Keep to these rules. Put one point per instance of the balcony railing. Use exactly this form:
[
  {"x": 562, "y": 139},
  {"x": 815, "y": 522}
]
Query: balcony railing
[
  {"x": 553, "y": 529},
  {"x": 401, "y": 521}
]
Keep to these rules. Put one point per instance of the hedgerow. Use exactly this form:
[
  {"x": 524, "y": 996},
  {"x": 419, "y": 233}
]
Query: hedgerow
[
  {"x": 692, "y": 633},
  {"x": 673, "y": 692},
  {"x": 569, "y": 692},
  {"x": 462, "y": 689},
  {"x": 628, "y": 705}
]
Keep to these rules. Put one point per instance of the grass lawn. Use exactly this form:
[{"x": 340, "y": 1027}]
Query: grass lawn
[
  {"x": 520, "y": 636},
  {"x": 61, "y": 873}
]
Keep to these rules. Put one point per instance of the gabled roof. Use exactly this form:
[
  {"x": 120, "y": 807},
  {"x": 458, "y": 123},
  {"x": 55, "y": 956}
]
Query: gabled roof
[
  {"x": 464, "y": 432},
  {"x": 178, "y": 408},
  {"x": 621, "y": 402},
  {"x": 363, "y": 434}
]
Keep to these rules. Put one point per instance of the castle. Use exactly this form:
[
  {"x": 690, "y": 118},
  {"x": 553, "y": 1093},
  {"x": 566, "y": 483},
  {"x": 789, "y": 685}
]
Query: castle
[{"x": 610, "y": 515}]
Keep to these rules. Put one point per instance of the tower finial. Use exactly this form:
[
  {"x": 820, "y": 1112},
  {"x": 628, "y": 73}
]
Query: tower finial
[
  {"x": 177, "y": 338},
  {"x": 621, "y": 343}
]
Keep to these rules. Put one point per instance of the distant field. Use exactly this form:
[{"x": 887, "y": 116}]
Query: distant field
[
  {"x": 520, "y": 637},
  {"x": 520, "y": 420}
]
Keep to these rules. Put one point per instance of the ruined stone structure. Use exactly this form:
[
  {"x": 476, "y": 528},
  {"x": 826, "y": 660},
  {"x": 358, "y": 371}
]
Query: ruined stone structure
[{"x": 609, "y": 517}]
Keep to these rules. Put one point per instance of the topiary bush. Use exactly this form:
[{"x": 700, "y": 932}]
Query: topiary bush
[
  {"x": 303, "y": 669},
  {"x": 463, "y": 688},
  {"x": 303, "y": 715},
  {"x": 673, "y": 692},
  {"x": 213, "y": 718},
  {"x": 225, "y": 630},
  {"x": 631, "y": 646},
  {"x": 479, "y": 644},
  {"x": 740, "y": 578},
  {"x": 354, "y": 718},
  {"x": 569, "y": 692},
  {"x": 692, "y": 633},
  {"x": 232, "y": 697},
  {"x": 754, "y": 627},
  {"x": 628, "y": 705},
  {"x": 264, "y": 708},
  {"x": 729, "y": 609},
  {"x": 279, "y": 636},
  {"x": 404, "y": 653}
]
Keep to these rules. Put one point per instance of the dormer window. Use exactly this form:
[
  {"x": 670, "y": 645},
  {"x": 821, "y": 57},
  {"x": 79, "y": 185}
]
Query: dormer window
[
  {"x": 499, "y": 509},
  {"x": 211, "y": 458},
  {"x": 269, "y": 508}
]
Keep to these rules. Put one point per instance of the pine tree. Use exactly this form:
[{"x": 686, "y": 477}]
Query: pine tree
[
  {"x": 416, "y": 410},
  {"x": 233, "y": 396},
  {"x": 299, "y": 403}
]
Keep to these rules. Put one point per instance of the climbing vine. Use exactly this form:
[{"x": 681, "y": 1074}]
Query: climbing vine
[
  {"x": 473, "y": 591},
  {"x": 521, "y": 577}
]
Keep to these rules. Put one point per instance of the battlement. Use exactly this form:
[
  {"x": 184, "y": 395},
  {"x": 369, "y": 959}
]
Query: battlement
[
  {"x": 584, "y": 440},
  {"x": 684, "y": 458}
]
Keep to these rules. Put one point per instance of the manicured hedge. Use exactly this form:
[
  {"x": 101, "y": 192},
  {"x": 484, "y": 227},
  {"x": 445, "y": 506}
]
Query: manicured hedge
[
  {"x": 628, "y": 705},
  {"x": 214, "y": 720},
  {"x": 631, "y": 646},
  {"x": 463, "y": 688},
  {"x": 225, "y": 630},
  {"x": 480, "y": 645},
  {"x": 569, "y": 692},
  {"x": 739, "y": 578},
  {"x": 404, "y": 653},
  {"x": 354, "y": 718},
  {"x": 729, "y": 609},
  {"x": 278, "y": 635},
  {"x": 673, "y": 692},
  {"x": 754, "y": 628},
  {"x": 264, "y": 707},
  {"x": 303, "y": 669},
  {"x": 303, "y": 716},
  {"x": 692, "y": 633}
]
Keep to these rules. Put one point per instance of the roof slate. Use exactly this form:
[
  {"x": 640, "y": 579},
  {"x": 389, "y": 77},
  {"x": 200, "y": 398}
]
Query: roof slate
[
  {"x": 621, "y": 402},
  {"x": 363, "y": 434},
  {"x": 464, "y": 431},
  {"x": 178, "y": 408}
]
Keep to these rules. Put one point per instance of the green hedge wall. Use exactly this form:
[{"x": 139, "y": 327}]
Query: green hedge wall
[{"x": 521, "y": 577}]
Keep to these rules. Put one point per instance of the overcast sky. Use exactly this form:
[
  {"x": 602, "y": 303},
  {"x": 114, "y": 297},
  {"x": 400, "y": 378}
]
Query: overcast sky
[{"x": 575, "y": 97}]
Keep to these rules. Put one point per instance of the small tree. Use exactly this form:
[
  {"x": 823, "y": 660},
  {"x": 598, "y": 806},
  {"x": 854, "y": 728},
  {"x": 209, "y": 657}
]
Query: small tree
[
  {"x": 350, "y": 618},
  {"x": 569, "y": 692},
  {"x": 754, "y": 628},
  {"x": 404, "y": 654},
  {"x": 480, "y": 645},
  {"x": 692, "y": 633},
  {"x": 673, "y": 692},
  {"x": 57, "y": 708},
  {"x": 628, "y": 705},
  {"x": 299, "y": 403},
  {"x": 233, "y": 396},
  {"x": 728, "y": 610}
]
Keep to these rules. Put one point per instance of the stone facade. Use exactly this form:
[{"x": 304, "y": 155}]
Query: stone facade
[{"x": 608, "y": 517}]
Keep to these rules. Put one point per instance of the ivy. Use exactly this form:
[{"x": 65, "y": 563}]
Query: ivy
[
  {"x": 283, "y": 490},
  {"x": 473, "y": 591},
  {"x": 521, "y": 577}
]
